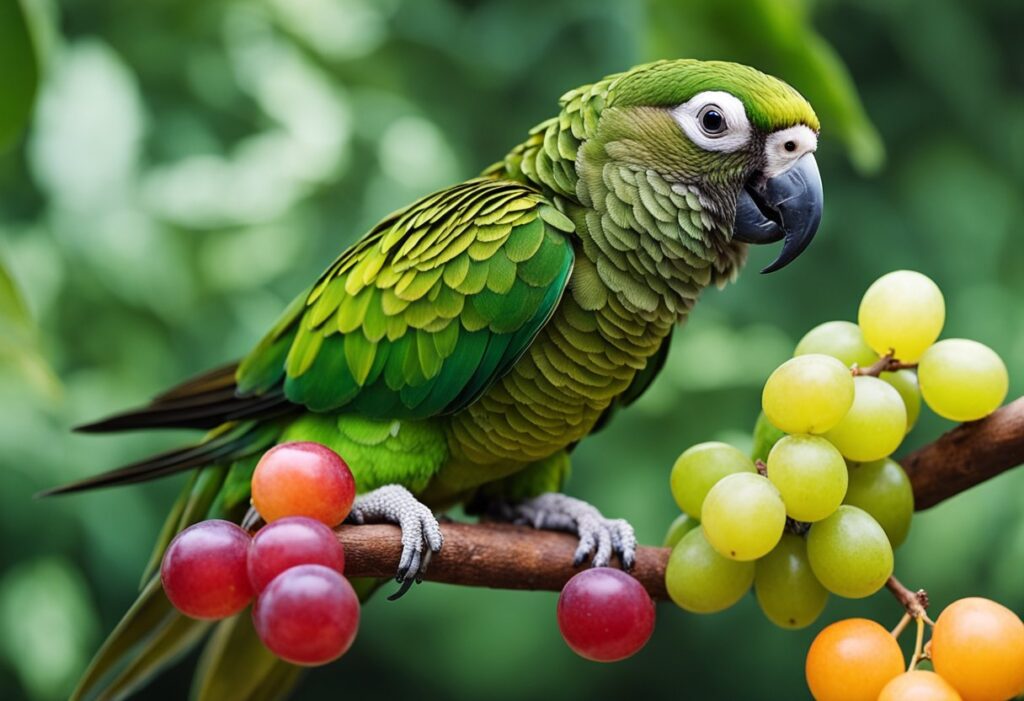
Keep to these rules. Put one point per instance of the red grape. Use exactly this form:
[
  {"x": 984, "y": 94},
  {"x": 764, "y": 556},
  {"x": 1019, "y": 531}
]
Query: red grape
[
  {"x": 605, "y": 615},
  {"x": 291, "y": 541},
  {"x": 204, "y": 570},
  {"x": 308, "y": 615},
  {"x": 303, "y": 479}
]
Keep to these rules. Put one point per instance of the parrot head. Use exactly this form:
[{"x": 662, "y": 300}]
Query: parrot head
[{"x": 740, "y": 141}]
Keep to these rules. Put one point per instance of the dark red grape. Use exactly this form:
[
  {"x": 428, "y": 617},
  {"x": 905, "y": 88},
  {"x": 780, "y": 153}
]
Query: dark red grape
[
  {"x": 303, "y": 479},
  {"x": 291, "y": 541},
  {"x": 204, "y": 570},
  {"x": 605, "y": 615},
  {"x": 308, "y": 615}
]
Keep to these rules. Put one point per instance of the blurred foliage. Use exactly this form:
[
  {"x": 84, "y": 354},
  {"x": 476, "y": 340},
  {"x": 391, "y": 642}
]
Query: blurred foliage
[{"x": 190, "y": 165}]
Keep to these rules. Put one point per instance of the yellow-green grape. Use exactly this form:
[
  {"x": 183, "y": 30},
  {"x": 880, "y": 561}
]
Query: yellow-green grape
[
  {"x": 765, "y": 437},
  {"x": 698, "y": 469},
  {"x": 883, "y": 489},
  {"x": 842, "y": 340},
  {"x": 810, "y": 474},
  {"x": 905, "y": 382},
  {"x": 902, "y": 312},
  {"x": 808, "y": 394},
  {"x": 743, "y": 516},
  {"x": 962, "y": 380},
  {"x": 683, "y": 524},
  {"x": 787, "y": 590},
  {"x": 875, "y": 425},
  {"x": 700, "y": 580},
  {"x": 850, "y": 553}
]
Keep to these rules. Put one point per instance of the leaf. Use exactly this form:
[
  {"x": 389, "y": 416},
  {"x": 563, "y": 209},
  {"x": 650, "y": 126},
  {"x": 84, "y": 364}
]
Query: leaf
[
  {"x": 20, "y": 59},
  {"x": 19, "y": 337}
]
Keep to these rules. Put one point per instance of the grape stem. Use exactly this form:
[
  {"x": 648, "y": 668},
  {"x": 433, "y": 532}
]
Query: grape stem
[
  {"x": 887, "y": 363},
  {"x": 914, "y": 602}
]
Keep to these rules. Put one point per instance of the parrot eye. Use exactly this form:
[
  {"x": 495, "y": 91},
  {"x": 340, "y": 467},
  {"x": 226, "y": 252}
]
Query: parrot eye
[{"x": 712, "y": 122}]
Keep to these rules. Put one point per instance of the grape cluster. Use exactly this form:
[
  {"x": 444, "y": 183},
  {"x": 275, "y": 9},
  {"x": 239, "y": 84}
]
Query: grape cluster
[
  {"x": 976, "y": 649},
  {"x": 822, "y": 505},
  {"x": 306, "y": 612}
]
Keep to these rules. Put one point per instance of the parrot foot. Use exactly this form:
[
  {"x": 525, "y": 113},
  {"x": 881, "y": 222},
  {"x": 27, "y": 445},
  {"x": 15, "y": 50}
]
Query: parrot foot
[
  {"x": 421, "y": 534},
  {"x": 600, "y": 537}
]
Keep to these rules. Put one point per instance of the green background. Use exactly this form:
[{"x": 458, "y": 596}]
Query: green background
[{"x": 190, "y": 164}]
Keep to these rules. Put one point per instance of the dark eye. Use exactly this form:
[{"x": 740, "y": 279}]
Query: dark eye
[{"x": 712, "y": 121}]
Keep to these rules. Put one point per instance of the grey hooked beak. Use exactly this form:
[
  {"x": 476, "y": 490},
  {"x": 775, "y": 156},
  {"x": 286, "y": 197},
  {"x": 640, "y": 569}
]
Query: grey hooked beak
[{"x": 786, "y": 207}]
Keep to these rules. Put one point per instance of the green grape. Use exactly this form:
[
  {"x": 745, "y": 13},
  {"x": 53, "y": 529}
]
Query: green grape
[
  {"x": 962, "y": 380},
  {"x": 700, "y": 580},
  {"x": 808, "y": 394},
  {"x": 787, "y": 590},
  {"x": 765, "y": 437},
  {"x": 698, "y": 469},
  {"x": 850, "y": 553},
  {"x": 842, "y": 340},
  {"x": 810, "y": 474},
  {"x": 902, "y": 312},
  {"x": 875, "y": 425},
  {"x": 743, "y": 516},
  {"x": 905, "y": 382},
  {"x": 883, "y": 489},
  {"x": 683, "y": 524}
]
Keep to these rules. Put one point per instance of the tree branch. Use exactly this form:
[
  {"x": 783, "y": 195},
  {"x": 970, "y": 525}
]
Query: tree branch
[{"x": 516, "y": 557}]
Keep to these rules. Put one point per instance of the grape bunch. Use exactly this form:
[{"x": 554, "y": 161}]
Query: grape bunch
[
  {"x": 822, "y": 505},
  {"x": 305, "y": 611},
  {"x": 976, "y": 649}
]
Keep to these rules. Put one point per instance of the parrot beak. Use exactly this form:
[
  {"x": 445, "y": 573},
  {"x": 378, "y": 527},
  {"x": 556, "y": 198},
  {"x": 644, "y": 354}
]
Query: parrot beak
[{"x": 786, "y": 207}]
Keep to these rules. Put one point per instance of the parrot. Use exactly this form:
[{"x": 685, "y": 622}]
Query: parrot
[{"x": 458, "y": 351}]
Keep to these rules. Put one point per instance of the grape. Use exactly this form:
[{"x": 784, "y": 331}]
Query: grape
[
  {"x": 905, "y": 382},
  {"x": 290, "y": 541},
  {"x": 810, "y": 474},
  {"x": 962, "y": 380},
  {"x": 883, "y": 490},
  {"x": 203, "y": 570},
  {"x": 683, "y": 524},
  {"x": 852, "y": 660},
  {"x": 605, "y": 615},
  {"x": 743, "y": 516},
  {"x": 700, "y": 580},
  {"x": 903, "y": 312},
  {"x": 978, "y": 647},
  {"x": 850, "y": 553},
  {"x": 308, "y": 615},
  {"x": 303, "y": 479},
  {"x": 875, "y": 425},
  {"x": 842, "y": 340},
  {"x": 786, "y": 588},
  {"x": 698, "y": 469},
  {"x": 918, "y": 685},
  {"x": 808, "y": 394},
  {"x": 765, "y": 437}
]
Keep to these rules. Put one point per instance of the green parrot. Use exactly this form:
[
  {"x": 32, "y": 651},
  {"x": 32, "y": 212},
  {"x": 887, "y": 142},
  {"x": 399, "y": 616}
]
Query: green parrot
[{"x": 459, "y": 350}]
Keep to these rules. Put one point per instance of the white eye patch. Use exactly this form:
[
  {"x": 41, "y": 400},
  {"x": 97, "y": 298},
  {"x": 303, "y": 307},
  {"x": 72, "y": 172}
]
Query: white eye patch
[
  {"x": 699, "y": 119},
  {"x": 784, "y": 148}
]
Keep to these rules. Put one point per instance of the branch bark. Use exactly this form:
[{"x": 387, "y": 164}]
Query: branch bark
[{"x": 502, "y": 556}]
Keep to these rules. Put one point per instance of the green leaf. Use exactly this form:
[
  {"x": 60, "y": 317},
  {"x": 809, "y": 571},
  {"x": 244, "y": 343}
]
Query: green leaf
[
  {"x": 235, "y": 666},
  {"x": 20, "y": 59},
  {"x": 19, "y": 337}
]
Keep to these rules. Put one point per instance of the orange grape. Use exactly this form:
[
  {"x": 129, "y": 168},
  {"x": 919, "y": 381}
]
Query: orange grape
[
  {"x": 919, "y": 686},
  {"x": 851, "y": 660}
]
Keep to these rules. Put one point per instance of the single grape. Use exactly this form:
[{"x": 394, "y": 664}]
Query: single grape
[
  {"x": 743, "y": 516},
  {"x": 978, "y": 647},
  {"x": 699, "y": 468},
  {"x": 810, "y": 474},
  {"x": 808, "y": 394},
  {"x": 852, "y": 660},
  {"x": 883, "y": 489},
  {"x": 203, "y": 570},
  {"x": 842, "y": 340},
  {"x": 850, "y": 553},
  {"x": 875, "y": 425},
  {"x": 683, "y": 524},
  {"x": 765, "y": 437},
  {"x": 291, "y": 541},
  {"x": 605, "y": 615},
  {"x": 918, "y": 685},
  {"x": 303, "y": 479},
  {"x": 962, "y": 380},
  {"x": 905, "y": 382},
  {"x": 308, "y": 615},
  {"x": 700, "y": 580},
  {"x": 786, "y": 588},
  {"x": 902, "y": 311}
]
